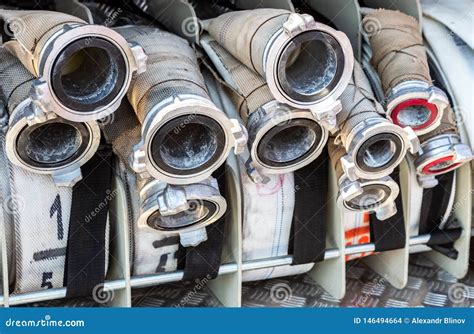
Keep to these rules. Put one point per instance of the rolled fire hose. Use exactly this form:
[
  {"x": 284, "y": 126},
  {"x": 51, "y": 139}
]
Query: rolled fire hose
[
  {"x": 153, "y": 250},
  {"x": 182, "y": 211},
  {"x": 57, "y": 146},
  {"x": 40, "y": 230},
  {"x": 455, "y": 59},
  {"x": 268, "y": 208},
  {"x": 82, "y": 70},
  {"x": 357, "y": 232},
  {"x": 399, "y": 56},
  {"x": 184, "y": 136},
  {"x": 281, "y": 139},
  {"x": 377, "y": 195},
  {"x": 375, "y": 146},
  {"x": 306, "y": 64},
  {"x": 6, "y": 214},
  {"x": 267, "y": 220},
  {"x": 441, "y": 151}
]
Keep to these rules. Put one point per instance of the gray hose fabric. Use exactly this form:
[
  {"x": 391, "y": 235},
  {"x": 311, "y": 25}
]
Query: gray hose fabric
[
  {"x": 6, "y": 214},
  {"x": 122, "y": 131},
  {"x": 245, "y": 33},
  {"x": 16, "y": 80},
  {"x": 30, "y": 30},
  {"x": 336, "y": 152},
  {"x": 358, "y": 103},
  {"x": 172, "y": 68},
  {"x": 252, "y": 87}
]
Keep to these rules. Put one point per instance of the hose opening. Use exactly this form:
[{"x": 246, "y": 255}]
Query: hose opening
[
  {"x": 310, "y": 66},
  {"x": 379, "y": 152},
  {"x": 441, "y": 165},
  {"x": 52, "y": 144},
  {"x": 188, "y": 144},
  {"x": 197, "y": 212},
  {"x": 289, "y": 143},
  {"x": 372, "y": 197},
  {"x": 89, "y": 73},
  {"x": 416, "y": 113}
]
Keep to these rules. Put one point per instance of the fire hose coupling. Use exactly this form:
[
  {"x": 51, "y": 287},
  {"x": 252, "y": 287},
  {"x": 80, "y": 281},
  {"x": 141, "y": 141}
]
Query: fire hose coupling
[
  {"x": 374, "y": 145},
  {"x": 363, "y": 195},
  {"x": 83, "y": 70},
  {"x": 282, "y": 139},
  {"x": 184, "y": 210},
  {"x": 306, "y": 64},
  {"x": 418, "y": 105},
  {"x": 441, "y": 151},
  {"x": 184, "y": 136},
  {"x": 400, "y": 58},
  {"x": 56, "y": 146},
  {"x": 185, "y": 139}
]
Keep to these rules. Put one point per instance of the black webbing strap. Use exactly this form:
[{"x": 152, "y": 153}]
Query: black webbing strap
[
  {"x": 85, "y": 254},
  {"x": 389, "y": 234},
  {"x": 441, "y": 237},
  {"x": 442, "y": 241},
  {"x": 425, "y": 210},
  {"x": 308, "y": 231},
  {"x": 31, "y": 4},
  {"x": 204, "y": 260},
  {"x": 435, "y": 203},
  {"x": 447, "y": 250}
]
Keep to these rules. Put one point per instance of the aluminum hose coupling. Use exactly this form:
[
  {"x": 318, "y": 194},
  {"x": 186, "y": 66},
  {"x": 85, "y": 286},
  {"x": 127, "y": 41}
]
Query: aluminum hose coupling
[
  {"x": 416, "y": 104},
  {"x": 306, "y": 64},
  {"x": 374, "y": 145},
  {"x": 440, "y": 154},
  {"x": 400, "y": 58},
  {"x": 362, "y": 195},
  {"x": 56, "y": 146},
  {"x": 183, "y": 210},
  {"x": 282, "y": 139},
  {"x": 185, "y": 138},
  {"x": 83, "y": 70},
  {"x": 441, "y": 151},
  {"x": 369, "y": 196}
]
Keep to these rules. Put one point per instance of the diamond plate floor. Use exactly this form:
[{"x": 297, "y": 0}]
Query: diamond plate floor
[{"x": 428, "y": 286}]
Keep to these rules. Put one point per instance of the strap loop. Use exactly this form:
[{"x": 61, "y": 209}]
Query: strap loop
[
  {"x": 308, "y": 241},
  {"x": 86, "y": 249},
  {"x": 389, "y": 234}
]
